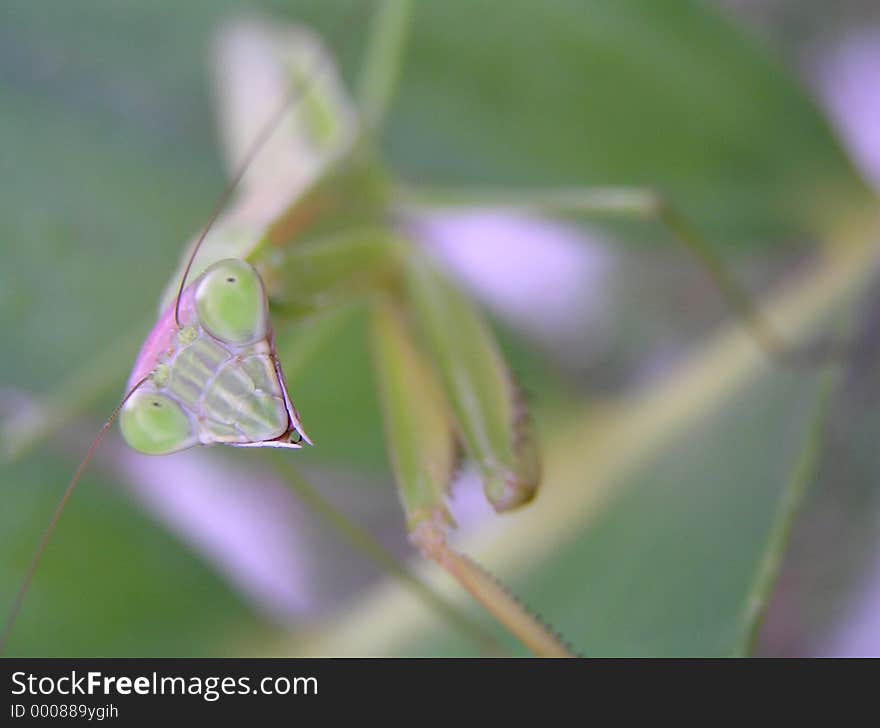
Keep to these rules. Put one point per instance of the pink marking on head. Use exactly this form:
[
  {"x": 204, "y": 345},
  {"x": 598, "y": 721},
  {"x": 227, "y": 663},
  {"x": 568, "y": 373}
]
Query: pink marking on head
[{"x": 161, "y": 338}]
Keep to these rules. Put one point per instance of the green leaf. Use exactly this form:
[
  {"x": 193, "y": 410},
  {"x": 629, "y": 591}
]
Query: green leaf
[
  {"x": 667, "y": 95},
  {"x": 110, "y": 582}
]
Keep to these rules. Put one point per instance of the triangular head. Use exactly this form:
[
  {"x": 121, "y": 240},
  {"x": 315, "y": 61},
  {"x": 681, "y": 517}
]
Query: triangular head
[{"x": 212, "y": 374}]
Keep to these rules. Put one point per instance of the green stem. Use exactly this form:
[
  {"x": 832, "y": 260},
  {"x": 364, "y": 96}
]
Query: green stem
[
  {"x": 648, "y": 204},
  {"x": 790, "y": 505},
  {"x": 363, "y": 542},
  {"x": 383, "y": 60}
]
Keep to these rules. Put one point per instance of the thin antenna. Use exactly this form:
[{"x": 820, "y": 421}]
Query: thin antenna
[
  {"x": 47, "y": 534},
  {"x": 295, "y": 93}
]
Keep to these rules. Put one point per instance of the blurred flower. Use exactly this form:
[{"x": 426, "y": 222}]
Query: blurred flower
[
  {"x": 848, "y": 78},
  {"x": 258, "y": 535},
  {"x": 858, "y": 633},
  {"x": 549, "y": 280},
  {"x": 244, "y": 521}
]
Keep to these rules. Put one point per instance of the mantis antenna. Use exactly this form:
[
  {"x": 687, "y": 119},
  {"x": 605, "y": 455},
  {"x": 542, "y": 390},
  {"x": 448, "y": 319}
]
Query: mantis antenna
[
  {"x": 53, "y": 522},
  {"x": 297, "y": 90}
]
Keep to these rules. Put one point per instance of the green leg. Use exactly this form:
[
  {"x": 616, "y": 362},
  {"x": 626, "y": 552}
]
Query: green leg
[
  {"x": 389, "y": 564},
  {"x": 644, "y": 204}
]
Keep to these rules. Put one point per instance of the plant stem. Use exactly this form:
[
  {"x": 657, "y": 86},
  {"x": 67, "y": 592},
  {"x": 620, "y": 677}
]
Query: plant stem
[
  {"x": 790, "y": 506},
  {"x": 361, "y": 540},
  {"x": 382, "y": 60}
]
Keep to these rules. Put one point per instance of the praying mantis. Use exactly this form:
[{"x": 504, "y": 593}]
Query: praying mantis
[{"x": 320, "y": 223}]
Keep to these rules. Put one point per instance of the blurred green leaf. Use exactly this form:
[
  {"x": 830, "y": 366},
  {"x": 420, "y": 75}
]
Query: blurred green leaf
[
  {"x": 667, "y": 95},
  {"x": 111, "y": 163},
  {"x": 111, "y": 582}
]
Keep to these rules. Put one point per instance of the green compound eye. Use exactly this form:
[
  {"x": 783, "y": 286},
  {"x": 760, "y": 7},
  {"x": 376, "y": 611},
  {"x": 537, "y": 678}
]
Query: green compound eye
[
  {"x": 155, "y": 424},
  {"x": 231, "y": 302}
]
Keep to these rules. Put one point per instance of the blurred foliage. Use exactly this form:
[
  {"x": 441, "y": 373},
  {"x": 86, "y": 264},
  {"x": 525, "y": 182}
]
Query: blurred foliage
[{"x": 110, "y": 162}]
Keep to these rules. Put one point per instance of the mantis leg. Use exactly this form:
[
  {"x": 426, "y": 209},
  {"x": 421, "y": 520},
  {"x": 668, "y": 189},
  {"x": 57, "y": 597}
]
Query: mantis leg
[
  {"x": 643, "y": 204},
  {"x": 452, "y": 388},
  {"x": 424, "y": 419},
  {"x": 457, "y": 390},
  {"x": 363, "y": 542}
]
